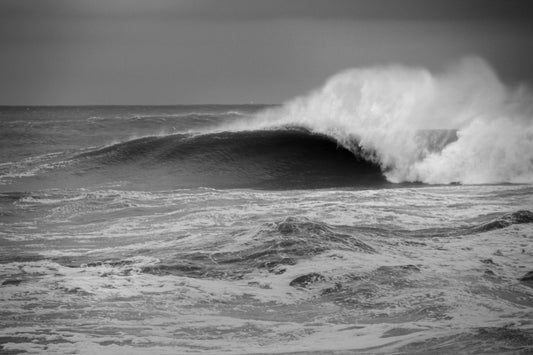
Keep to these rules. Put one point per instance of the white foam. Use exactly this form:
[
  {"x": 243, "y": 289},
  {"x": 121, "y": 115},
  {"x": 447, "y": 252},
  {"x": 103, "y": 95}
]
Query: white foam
[{"x": 385, "y": 107}]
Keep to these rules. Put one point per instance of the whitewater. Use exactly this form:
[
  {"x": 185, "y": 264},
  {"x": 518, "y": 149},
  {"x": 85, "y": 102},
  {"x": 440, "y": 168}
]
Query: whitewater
[
  {"x": 389, "y": 211},
  {"x": 386, "y": 108}
]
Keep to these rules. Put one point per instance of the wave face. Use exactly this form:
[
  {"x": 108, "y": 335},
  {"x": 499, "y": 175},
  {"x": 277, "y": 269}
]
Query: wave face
[
  {"x": 285, "y": 158},
  {"x": 386, "y": 108}
]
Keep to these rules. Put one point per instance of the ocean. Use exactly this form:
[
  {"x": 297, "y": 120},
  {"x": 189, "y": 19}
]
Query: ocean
[{"x": 247, "y": 229}]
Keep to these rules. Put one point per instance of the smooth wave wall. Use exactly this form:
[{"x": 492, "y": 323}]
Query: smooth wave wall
[{"x": 285, "y": 158}]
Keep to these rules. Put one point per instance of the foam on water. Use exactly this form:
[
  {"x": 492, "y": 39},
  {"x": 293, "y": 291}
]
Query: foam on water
[{"x": 358, "y": 278}]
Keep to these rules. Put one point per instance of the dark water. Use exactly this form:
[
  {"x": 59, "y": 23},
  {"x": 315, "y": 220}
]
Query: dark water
[
  {"x": 278, "y": 159},
  {"x": 157, "y": 229},
  {"x": 282, "y": 158}
]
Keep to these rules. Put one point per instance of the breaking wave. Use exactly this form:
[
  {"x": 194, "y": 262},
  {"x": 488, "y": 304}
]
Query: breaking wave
[
  {"x": 366, "y": 127},
  {"x": 385, "y": 108}
]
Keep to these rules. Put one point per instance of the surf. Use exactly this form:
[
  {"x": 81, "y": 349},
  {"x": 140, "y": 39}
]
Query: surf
[
  {"x": 368, "y": 127},
  {"x": 385, "y": 109}
]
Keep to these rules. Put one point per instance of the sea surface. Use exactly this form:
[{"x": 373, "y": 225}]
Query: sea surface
[{"x": 204, "y": 230}]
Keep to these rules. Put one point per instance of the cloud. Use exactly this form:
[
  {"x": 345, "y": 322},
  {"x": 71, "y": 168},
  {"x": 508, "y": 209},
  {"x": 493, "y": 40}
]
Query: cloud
[
  {"x": 232, "y": 51},
  {"x": 491, "y": 10}
]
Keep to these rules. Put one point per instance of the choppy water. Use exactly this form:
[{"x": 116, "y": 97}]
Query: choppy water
[{"x": 148, "y": 229}]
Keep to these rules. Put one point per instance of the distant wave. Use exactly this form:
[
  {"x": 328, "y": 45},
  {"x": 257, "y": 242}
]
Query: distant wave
[
  {"x": 509, "y": 219},
  {"x": 386, "y": 108},
  {"x": 165, "y": 116},
  {"x": 500, "y": 222}
]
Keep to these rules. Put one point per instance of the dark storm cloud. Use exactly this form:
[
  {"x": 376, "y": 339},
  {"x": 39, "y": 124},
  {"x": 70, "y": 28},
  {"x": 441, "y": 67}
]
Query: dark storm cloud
[{"x": 237, "y": 51}]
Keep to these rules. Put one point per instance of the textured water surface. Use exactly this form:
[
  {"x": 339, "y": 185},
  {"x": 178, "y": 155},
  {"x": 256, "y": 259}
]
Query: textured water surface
[{"x": 108, "y": 246}]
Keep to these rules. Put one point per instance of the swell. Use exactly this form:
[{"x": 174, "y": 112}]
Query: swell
[
  {"x": 500, "y": 222},
  {"x": 284, "y": 158},
  {"x": 272, "y": 247},
  {"x": 276, "y": 246}
]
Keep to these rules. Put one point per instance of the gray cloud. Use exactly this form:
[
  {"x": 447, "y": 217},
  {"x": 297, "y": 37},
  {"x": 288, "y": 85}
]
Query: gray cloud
[{"x": 164, "y": 52}]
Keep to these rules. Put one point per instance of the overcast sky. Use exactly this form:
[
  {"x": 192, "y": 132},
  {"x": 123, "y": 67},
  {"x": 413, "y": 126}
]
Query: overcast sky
[{"x": 240, "y": 51}]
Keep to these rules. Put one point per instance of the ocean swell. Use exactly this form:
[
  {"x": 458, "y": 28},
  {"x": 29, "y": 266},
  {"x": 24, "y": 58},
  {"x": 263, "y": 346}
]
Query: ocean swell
[{"x": 282, "y": 158}]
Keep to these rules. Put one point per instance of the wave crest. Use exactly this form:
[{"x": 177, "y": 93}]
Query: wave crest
[{"x": 386, "y": 108}]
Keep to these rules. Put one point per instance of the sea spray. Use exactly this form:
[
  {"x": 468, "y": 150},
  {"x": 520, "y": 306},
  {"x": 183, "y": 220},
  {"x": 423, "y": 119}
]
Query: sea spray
[{"x": 385, "y": 109}]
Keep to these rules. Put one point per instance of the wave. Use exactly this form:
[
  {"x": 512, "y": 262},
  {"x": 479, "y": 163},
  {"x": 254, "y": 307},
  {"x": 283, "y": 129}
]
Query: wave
[
  {"x": 282, "y": 158},
  {"x": 277, "y": 245},
  {"x": 500, "y": 222},
  {"x": 272, "y": 246},
  {"x": 509, "y": 219},
  {"x": 385, "y": 109},
  {"x": 165, "y": 116},
  {"x": 366, "y": 127}
]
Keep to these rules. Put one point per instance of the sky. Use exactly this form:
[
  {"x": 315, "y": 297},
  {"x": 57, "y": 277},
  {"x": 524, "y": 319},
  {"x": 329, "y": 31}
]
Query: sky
[{"x": 152, "y": 52}]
